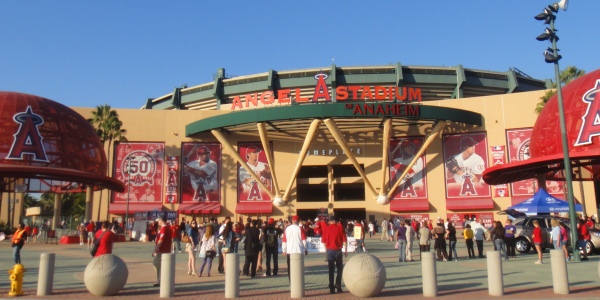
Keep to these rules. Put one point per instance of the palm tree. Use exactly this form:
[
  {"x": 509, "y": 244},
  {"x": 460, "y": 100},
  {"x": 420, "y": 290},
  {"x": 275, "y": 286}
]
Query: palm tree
[
  {"x": 30, "y": 201},
  {"x": 567, "y": 75},
  {"x": 108, "y": 127}
]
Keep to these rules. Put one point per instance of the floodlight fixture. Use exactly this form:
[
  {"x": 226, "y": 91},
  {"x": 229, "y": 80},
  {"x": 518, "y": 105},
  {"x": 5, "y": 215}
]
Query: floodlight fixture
[{"x": 550, "y": 57}]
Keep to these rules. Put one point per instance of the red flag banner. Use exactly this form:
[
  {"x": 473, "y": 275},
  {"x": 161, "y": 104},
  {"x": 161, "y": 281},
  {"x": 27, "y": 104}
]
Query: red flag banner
[
  {"x": 201, "y": 172},
  {"x": 140, "y": 167}
]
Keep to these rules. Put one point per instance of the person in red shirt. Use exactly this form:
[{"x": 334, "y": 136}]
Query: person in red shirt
[
  {"x": 35, "y": 233},
  {"x": 91, "y": 229},
  {"x": 334, "y": 240},
  {"x": 582, "y": 238},
  {"x": 176, "y": 237},
  {"x": 163, "y": 245},
  {"x": 106, "y": 238},
  {"x": 537, "y": 240}
]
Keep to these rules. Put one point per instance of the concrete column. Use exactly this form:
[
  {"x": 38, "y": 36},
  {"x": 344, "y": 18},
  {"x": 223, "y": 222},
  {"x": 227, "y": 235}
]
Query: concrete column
[
  {"x": 232, "y": 276},
  {"x": 167, "y": 275},
  {"x": 429, "y": 274},
  {"x": 46, "y": 274},
  {"x": 57, "y": 207},
  {"x": 560, "y": 277},
  {"x": 495, "y": 276},
  {"x": 89, "y": 202},
  {"x": 296, "y": 275}
]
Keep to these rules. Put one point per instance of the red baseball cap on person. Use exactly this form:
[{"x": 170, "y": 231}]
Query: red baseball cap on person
[
  {"x": 271, "y": 221},
  {"x": 295, "y": 218}
]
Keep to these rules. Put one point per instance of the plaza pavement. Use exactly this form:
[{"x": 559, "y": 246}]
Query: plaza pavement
[{"x": 465, "y": 279}]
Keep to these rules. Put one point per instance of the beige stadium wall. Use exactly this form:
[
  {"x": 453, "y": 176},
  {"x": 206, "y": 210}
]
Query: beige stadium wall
[{"x": 499, "y": 112}]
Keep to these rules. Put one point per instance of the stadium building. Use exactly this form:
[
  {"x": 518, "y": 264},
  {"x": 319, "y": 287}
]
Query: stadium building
[{"x": 359, "y": 142}]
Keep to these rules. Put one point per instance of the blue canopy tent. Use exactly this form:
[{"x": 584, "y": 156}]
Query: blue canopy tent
[{"x": 544, "y": 203}]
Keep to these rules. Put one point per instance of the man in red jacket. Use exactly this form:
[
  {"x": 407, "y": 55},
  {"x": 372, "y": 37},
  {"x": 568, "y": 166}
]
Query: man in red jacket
[{"x": 334, "y": 240}]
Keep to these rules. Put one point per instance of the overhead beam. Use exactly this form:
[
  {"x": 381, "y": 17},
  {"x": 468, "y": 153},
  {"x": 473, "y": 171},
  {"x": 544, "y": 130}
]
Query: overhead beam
[
  {"x": 311, "y": 135},
  {"x": 264, "y": 139},
  {"x": 225, "y": 142},
  {"x": 339, "y": 138},
  {"x": 387, "y": 134}
]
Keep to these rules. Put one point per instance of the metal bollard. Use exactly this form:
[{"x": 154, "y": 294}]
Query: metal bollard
[
  {"x": 429, "y": 274},
  {"x": 232, "y": 276},
  {"x": 495, "y": 274},
  {"x": 560, "y": 277},
  {"x": 296, "y": 275},
  {"x": 167, "y": 275},
  {"x": 46, "y": 274}
]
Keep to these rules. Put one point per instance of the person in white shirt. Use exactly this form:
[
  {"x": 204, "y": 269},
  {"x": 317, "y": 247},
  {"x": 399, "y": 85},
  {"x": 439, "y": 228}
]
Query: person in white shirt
[
  {"x": 410, "y": 237},
  {"x": 479, "y": 236},
  {"x": 293, "y": 241}
]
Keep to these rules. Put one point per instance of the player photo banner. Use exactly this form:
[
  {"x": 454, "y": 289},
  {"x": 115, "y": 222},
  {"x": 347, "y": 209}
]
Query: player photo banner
[
  {"x": 248, "y": 188},
  {"x": 201, "y": 172},
  {"x": 402, "y": 152},
  {"x": 171, "y": 184},
  {"x": 464, "y": 163},
  {"x": 500, "y": 190},
  {"x": 140, "y": 167}
]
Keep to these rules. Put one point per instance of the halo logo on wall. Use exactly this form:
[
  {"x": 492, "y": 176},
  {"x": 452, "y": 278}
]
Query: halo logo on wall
[{"x": 28, "y": 140}]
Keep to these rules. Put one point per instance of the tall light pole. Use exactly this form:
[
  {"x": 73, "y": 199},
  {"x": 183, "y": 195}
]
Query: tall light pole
[
  {"x": 128, "y": 170},
  {"x": 551, "y": 56}
]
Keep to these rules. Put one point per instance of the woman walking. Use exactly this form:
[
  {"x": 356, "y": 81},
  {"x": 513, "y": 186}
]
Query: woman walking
[
  {"x": 191, "y": 247},
  {"x": 228, "y": 239},
  {"x": 537, "y": 240},
  {"x": 208, "y": 247},
  {"x": 498, "y": 238},
  {"x": 451, "y": 231}
]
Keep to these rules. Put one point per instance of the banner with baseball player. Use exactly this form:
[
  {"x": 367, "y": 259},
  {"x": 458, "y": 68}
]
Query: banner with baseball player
[
  {"x": 201, "y": 172},
  {"x": 414, "y": 185},
  {"x": 248, "y": 188},
  {"x": 518, "y": 150},
  {"x": 171, "y": 182},
  {"x": 464, "y": 163},
  {"x": 140, "y": 167}
]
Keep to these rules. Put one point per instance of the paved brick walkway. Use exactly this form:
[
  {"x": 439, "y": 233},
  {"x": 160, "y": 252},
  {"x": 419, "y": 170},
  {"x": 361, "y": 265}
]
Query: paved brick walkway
[{"x": 466, "y": 279}]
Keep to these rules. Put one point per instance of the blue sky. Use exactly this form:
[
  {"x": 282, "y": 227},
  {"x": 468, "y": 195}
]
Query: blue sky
[{"x": 89, "y": 53}]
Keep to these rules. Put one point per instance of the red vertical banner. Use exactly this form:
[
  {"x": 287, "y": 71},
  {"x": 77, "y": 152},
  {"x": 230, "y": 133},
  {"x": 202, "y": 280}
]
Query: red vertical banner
[
  {"x": 201, "y": 172},
  {"x": 464, "y": 164},
  {"x": 518, "y": 150},
  {"x": 171, "y": 182},
  {"x": 402, "y": 152},
  {"x": 248, "y": 188},
  {"x": 140, "y": 167},
  {"x": 498, "y": 158}
]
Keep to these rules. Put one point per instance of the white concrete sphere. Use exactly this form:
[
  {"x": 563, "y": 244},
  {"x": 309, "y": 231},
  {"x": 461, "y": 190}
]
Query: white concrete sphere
[
  {"x": 383, "y": 199},
  {"x": 364, "y": 275},
  {"x": 278, "y": 201},
  {"x": 105, "y": 275}
]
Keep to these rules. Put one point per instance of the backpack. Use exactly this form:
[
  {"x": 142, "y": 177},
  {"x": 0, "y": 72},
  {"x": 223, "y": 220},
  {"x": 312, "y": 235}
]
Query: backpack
[{"x": 271, "y": 238}]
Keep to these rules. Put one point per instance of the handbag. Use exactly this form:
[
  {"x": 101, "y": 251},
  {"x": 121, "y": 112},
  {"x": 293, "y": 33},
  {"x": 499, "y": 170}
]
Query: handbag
[
  {"x": 397, "y": 246},
  {"x": 211, "y": 253},
  {"x": 96, "y": 244},
  {"x": 186, "y": 239}
]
